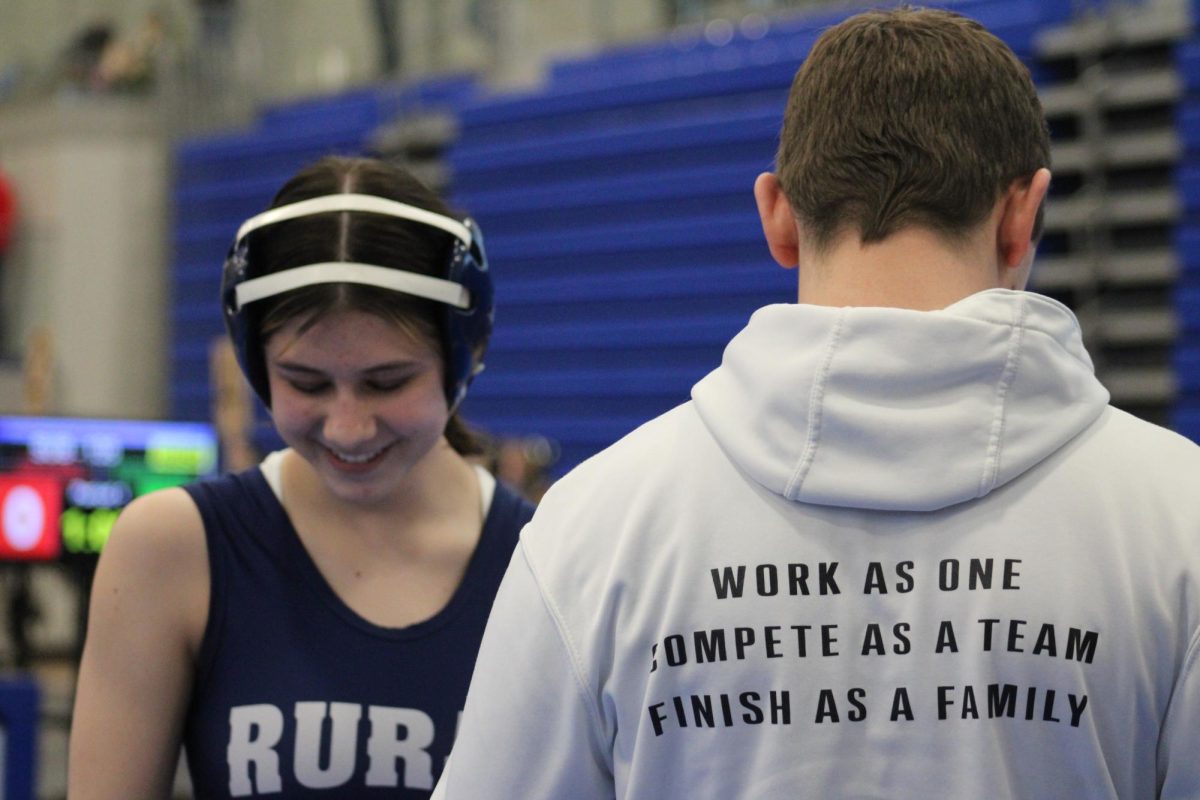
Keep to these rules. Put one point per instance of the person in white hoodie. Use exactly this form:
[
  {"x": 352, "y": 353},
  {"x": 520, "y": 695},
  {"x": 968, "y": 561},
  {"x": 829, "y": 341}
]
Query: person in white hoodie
[{"x": 898, "y": 544}]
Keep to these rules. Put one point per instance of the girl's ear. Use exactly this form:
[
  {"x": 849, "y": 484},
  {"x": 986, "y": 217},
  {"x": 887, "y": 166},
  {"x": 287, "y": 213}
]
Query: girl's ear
[{"x": 778, "y": 222}]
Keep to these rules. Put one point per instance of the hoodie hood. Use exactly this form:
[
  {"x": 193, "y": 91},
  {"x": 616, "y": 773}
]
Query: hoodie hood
[{"x": 886, "y": 408}]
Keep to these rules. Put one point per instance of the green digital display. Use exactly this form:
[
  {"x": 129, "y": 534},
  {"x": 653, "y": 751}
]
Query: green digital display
[{"x": 86, "y": 531}]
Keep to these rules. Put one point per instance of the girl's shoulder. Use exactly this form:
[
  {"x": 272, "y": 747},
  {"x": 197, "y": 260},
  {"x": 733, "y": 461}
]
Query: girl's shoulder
[
  {"x": 164, "y": 524},
  {"x": 156, "y": 554}
]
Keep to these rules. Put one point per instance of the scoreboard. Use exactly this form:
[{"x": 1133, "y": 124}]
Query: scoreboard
[{"x": 64, "y": 480}]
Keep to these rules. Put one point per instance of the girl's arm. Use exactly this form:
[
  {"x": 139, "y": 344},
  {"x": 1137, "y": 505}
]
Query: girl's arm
[{"x": 148, "y": 609}]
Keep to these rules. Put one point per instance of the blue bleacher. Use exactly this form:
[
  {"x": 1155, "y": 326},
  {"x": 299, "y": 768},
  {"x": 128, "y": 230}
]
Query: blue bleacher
[
  {"x": 1185, "y": 416},
  {"x": 617, "y": 204},
  {"x": 758, "y": 40}
]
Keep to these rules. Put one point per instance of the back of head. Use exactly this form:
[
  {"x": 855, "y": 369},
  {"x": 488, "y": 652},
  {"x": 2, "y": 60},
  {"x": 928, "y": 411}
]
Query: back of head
[{"x": 908, "y": 117}]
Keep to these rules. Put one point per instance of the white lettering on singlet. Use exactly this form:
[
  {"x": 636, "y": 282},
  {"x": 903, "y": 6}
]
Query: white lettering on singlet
[
  {"x": 396, "y": 735},
  {"x": 386, "y": 747},
  {"x": 253, "y": 733},
  {"x": 310, "y": 723}
]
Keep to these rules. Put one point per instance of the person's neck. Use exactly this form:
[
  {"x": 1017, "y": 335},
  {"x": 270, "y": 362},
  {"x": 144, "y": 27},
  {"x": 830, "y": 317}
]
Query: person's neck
[{"x": 912, "y": 268}]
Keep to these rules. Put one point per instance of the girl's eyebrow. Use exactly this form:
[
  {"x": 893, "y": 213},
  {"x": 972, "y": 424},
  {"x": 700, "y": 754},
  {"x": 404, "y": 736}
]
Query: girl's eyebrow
[{"x": 390, "y": 366}]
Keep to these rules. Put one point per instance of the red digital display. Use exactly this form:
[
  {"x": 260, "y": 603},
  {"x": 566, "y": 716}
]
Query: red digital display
[{"x": 30, "y": 509}]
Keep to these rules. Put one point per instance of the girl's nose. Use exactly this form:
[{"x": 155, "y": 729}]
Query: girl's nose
[{"x": 349, "y": 422}]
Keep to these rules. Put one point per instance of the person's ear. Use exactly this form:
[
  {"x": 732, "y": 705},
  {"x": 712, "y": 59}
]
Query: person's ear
[
  {"x": 778, "y": 222},
  {"x": 1018, "y": 219}
]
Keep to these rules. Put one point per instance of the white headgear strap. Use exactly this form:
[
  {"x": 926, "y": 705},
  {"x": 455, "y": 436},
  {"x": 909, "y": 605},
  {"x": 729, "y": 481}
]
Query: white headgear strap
[{"x": 397, "y": 280}]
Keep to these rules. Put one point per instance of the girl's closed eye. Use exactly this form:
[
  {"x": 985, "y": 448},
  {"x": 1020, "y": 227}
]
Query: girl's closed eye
[
  {"x": 384, "y": 387},
  {"x": 309, "y": 387},
  {"x": 391, "y": 378}
]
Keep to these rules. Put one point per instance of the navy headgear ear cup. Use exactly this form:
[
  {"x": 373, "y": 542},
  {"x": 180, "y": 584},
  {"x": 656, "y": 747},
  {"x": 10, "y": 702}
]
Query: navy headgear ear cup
[
  {"x": 240, "y": 323},
  {"x": 464, "y": 287},
  {"x": 467, "y": 330}
]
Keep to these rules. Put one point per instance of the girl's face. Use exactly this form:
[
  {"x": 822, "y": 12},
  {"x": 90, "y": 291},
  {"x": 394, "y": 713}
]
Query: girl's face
[{"x": 360, "y": 398}]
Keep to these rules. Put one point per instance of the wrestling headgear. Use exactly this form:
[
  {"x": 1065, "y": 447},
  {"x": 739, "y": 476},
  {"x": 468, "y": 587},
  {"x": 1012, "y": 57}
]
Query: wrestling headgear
[{"x": 464, "y": 287}]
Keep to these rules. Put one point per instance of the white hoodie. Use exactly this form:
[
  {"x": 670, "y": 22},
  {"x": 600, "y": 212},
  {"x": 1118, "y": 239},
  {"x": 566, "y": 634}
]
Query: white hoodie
[{"x": 880, "y": 554}]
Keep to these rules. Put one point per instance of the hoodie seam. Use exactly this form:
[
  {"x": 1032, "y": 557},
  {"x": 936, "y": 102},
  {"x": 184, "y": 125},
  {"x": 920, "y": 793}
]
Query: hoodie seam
[
  {"x": 816, "y": 397},
  {"x": 1190, "y": 660},
  {"x": 991, "y": 462},
  {"x": 579, "y": 671}
]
